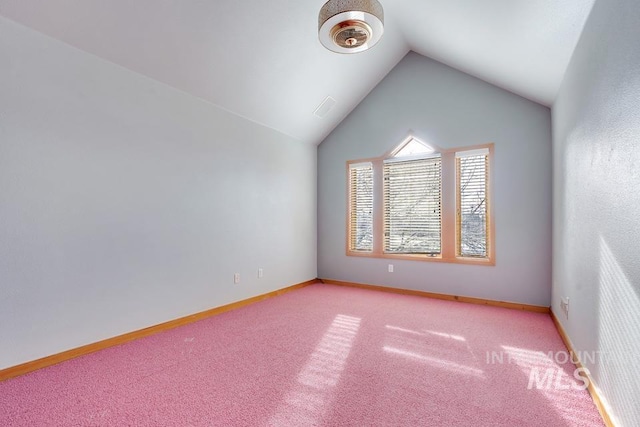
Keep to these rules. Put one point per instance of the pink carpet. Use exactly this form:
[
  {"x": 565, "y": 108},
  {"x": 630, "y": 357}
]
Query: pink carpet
[{"x": 319, "y": 356}]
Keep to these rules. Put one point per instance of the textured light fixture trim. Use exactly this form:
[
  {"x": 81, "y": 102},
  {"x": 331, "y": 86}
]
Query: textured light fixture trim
[{"x": 350, "y": 26}]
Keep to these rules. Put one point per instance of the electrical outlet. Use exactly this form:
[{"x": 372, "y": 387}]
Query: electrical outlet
[
  {"x": 236, "y": 278},
  {"x": 564, "y": 306},
  {"x": 390, "y": 268},
  {"x": 260, "y": 273}
]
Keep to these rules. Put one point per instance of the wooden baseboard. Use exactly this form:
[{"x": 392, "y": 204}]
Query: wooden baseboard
[
  {"x": 468, "y": 300},
  {"x": 54, "y": 359},
  {"x": 593, "y": 390}
]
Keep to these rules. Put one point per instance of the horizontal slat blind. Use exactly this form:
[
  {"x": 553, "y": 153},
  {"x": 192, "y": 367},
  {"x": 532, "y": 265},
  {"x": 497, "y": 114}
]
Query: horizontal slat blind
[
  {"x": 412, "y": 206},
  {"x": 361, "y": 207},
  {"x": 471, "y": 224}
]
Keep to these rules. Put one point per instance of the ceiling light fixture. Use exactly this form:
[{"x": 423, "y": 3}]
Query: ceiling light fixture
[{"x": 350, "y": 26}]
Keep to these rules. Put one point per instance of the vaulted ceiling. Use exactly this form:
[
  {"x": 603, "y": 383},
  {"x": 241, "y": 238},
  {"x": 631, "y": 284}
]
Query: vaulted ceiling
[{"x": 262, "y": 59}]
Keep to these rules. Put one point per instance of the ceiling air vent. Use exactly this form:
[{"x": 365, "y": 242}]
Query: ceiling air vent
[{"x": 325, "y": 107}]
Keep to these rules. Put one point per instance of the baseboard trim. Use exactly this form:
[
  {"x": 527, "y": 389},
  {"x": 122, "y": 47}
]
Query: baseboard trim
[
  {"x": 468, "y": 300},
  {"x": 593, "y": 390},
  {"x": 54, "y": 359}
]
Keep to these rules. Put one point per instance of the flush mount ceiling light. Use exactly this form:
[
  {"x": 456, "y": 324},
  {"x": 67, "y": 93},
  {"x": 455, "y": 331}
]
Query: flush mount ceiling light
[{"x": 350, "y": 26}]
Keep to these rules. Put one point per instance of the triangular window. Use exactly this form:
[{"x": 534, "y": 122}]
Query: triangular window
[{"x": 413, "y": 147}]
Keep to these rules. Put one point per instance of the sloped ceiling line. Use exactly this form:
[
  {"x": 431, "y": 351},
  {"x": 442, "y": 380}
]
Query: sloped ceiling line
[{"x": 263, "y": 61}]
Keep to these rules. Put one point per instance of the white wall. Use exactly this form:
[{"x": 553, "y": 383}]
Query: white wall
[
  {"x": 596, "y": 138},
  {"x": 125, "y": 203},
  {"x": 449, "y": 109}
]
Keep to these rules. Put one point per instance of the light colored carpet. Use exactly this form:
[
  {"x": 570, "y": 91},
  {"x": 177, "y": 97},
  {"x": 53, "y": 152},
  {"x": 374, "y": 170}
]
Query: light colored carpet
[{"x": 320, "y": 356}]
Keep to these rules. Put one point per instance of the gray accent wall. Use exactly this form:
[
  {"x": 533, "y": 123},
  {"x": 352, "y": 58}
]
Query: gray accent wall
[
  {"x": 125, "y": 203},
  {"x": 596, "y": 140},
  {"x": 449, "y": 109}
]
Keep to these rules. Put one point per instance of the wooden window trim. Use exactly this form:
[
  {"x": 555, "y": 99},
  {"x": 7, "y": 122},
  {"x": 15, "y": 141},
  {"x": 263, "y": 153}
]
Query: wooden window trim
[
  {"x": 488, "y": 205},
  {"x": 449, "y": 211},
  {"x": 350, "y": 209}
]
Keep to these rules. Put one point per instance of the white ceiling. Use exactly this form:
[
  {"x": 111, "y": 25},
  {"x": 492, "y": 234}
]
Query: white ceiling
[{"x": 262, "y": 59}]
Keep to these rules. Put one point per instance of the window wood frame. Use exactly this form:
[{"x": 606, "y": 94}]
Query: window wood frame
[
  {"x": 449, "y": 210},
  {"x": 350, "y": 206}
]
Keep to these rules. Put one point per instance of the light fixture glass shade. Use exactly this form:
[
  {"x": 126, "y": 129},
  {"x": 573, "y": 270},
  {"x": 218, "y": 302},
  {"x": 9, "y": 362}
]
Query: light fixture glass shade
[{"x": 350, "y": 26}]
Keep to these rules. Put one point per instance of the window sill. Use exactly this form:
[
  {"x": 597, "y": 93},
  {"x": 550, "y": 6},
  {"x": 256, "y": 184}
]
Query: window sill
[{"x": 427, "y": 258}]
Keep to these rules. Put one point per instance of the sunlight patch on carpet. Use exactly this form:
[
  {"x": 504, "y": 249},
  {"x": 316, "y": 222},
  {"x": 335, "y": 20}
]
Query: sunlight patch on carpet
[
  {"x": 311, "y": 396},
  {"x": 436, "y": 362}
]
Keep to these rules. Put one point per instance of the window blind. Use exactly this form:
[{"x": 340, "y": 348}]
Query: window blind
[
  {"x": 361, "y": 207},
  {"x": 472, "y": 222},
  {"x": 412, "y": 206}
]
